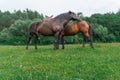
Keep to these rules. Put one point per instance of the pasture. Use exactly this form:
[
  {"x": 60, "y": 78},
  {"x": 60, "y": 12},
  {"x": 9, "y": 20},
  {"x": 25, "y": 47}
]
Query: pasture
[{"x": 73, "y": 63}]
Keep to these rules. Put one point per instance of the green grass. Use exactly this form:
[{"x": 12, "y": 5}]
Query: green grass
[{"x": 73, "y": 63}]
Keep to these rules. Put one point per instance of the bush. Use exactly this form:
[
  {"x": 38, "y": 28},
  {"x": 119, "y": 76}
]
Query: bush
[
  {"x": 5, "y": 35},
  {"x": 100, "y": 33},
  {"x": 19, "y": 30}
]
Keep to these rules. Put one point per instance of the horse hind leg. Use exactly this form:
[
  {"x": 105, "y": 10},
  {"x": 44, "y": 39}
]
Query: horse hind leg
[
  {"x": 85, "y": 35},
  {"x": 83, "y": 42},
  {"x": 28, "y": 41},
  {"x": 36, "y": 41},
  {"x": 89, "y": 37},
  {"x": 62, "y": 41},
  {"x": 56, "y": 42}
]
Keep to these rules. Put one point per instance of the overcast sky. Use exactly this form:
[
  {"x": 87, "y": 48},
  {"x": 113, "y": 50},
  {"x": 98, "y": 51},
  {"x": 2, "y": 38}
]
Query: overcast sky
[{"x": 55, "y": 7}]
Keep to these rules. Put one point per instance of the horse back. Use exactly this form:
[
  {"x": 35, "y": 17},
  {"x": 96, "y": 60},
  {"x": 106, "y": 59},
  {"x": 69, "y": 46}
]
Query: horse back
[
  {"x": 71, "y": 29},
  {"x": 45, "y": 28}
]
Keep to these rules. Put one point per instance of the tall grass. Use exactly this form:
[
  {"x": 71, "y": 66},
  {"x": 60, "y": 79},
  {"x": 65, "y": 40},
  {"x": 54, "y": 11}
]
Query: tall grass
[{"x": 73, "y": 63}]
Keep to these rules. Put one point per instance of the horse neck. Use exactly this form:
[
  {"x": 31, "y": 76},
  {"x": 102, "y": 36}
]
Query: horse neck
[{"x": 63, "y": 18}]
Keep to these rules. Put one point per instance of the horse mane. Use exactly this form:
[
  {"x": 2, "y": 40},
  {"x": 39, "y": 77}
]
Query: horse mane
[{"x": 47, "y": 19}]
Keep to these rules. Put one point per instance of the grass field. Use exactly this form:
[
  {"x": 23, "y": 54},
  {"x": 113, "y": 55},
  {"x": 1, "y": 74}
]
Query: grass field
[{"x": 73, "y": 63}]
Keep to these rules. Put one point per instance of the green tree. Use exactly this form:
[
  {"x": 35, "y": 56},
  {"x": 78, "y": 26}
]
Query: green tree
[
  {"x": 5, "y": 35},
  {"x": 100, "y": 33},
  {"x": 118, "y": 13},
  {"x": 19, "y": 30},
  {"x": 110, "y": 20},
  {"x": 80, "y": 14}
]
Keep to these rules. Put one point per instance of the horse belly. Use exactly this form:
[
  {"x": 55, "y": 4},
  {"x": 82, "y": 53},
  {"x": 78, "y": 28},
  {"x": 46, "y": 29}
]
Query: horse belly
[
  {"x": 71, "y": 31},
  {"x": 46, "y": 32}
]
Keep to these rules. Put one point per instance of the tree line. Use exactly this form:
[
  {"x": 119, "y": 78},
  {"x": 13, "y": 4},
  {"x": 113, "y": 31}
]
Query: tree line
[{"x": 14, "y": 27}]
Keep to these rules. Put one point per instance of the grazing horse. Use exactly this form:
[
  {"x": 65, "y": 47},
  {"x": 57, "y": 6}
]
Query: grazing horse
[
  {"x": 76, "y": 27},
  {"x": 55, "y": 26}
]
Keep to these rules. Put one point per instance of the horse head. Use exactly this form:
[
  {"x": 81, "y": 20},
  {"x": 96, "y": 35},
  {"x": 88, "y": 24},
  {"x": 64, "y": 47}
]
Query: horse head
[{"x": 73, "y": 16}]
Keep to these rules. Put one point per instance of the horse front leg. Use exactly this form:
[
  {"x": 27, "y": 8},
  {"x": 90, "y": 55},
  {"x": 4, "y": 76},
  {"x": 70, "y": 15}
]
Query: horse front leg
[{"x": 56, "y": 42}]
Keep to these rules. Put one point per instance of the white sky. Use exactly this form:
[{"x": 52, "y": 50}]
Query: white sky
[{"x": 55, "y": 7}]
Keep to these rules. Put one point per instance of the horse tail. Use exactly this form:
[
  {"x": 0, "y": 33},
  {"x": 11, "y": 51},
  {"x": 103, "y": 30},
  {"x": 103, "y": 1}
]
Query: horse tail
[
  {"x": 91, "y": 36},
  {"x": 31, "y": 31},
  {"x": 90, "y": 31},
  {"x": 33, "y": 27}
]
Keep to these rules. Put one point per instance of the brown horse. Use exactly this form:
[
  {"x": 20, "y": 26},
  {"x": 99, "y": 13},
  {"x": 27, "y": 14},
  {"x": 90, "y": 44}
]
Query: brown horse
[
  {"x": 55, "y": 26},
  {"x": 76, "y": 27},
  {"x": 33, "y": 31}
]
